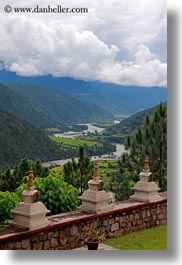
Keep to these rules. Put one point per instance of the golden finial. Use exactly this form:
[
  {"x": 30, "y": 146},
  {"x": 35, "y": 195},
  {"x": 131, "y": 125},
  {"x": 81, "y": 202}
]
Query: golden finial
[
  {"x": 96, "y": 172},
  {"x": 146, "y": 164},
  {"x": 30, "y": 185}
]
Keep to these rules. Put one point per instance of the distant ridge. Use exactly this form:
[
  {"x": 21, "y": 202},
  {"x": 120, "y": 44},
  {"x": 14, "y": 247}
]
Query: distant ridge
[{"x": 113, "y": 98}]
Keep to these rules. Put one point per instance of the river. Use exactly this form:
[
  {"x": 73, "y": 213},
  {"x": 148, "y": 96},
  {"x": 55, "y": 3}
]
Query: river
[
  {"x": 120, "y": 148},
  {"x": 70, "y": 134}
]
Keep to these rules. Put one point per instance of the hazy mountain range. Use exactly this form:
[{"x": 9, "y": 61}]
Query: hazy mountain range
[{"x": 112, "y": 98}]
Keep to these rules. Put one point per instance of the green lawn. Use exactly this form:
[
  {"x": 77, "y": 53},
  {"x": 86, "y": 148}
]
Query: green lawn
[
  {"x": 73, "y": 142},
  {"x": 148, "y": 239}
]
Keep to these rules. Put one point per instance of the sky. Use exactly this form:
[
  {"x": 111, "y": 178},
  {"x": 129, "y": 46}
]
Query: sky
[{"x": 117, "y": 41}]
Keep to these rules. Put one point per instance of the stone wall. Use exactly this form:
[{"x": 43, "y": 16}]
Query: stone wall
[{"x": 68, "y": 230}]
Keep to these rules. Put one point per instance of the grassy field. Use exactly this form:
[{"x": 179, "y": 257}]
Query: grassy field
[
  {"x": 121, "y": 116},
  {"x": 105, "y": 125},
  {"x": 106, "y": 169},
  {"x": 148, "y": 239},
  {"x": 73, "y": 142},
  {"x": 57, "y": 169},
  {"x": 106, "y": 165}
]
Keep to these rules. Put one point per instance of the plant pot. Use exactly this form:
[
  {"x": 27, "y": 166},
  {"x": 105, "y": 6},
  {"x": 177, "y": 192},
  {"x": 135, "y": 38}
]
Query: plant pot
[{"x": 92, "y": 244}]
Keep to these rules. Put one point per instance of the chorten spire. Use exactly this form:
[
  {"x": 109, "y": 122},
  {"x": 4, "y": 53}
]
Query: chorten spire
[
  {"x": 30, "y": 185},
  {"x": 145, "y": 190},
  {"x": 96, "y": 171},
  {"x": 30, "y": 213},
  {"x": 95, "y": 199},
  {"x": 146, "y": 164}
]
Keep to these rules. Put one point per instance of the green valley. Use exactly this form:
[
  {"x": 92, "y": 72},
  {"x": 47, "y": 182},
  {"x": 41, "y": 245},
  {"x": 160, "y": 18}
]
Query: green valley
[
  {"x": 58, "y": 106},
  {"x": 73, "y": 142},
  {"x": 92, "y": 148},
  {"x": 119, "y": 132}
]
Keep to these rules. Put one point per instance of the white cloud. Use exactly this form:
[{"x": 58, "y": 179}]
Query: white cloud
[
  {"x": 117, "y": 41},
  {"x": 144, "y": 70}
]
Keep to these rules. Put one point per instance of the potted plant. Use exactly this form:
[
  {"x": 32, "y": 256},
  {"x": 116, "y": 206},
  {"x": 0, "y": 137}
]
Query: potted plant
[{"x": 94, "y": 237}]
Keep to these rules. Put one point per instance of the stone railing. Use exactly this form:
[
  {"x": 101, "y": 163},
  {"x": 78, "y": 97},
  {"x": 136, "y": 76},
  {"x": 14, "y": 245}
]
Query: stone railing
[
  {"x": 68, "y": 230},
  {"x": 30, "y": 229}
]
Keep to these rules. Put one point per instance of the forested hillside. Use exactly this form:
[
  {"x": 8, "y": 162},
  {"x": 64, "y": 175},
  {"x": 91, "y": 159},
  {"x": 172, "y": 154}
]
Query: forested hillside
[
  {"x": 59, "y": 107},
  {"x": 149, "y": 139},
  {"x": 129, "y": 125},
  {"x": 19, "y": 139},
  {"x": 18, "y": 105},
  {"x": 120, "y": 131}
]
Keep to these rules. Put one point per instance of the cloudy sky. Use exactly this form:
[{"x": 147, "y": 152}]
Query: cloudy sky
[{"x": 118, "y": 41}]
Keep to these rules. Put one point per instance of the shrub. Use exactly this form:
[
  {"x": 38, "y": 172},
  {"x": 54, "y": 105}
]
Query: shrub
[
  {"x": 8, "y": 201},
  {"x": 56, "y": 194}
]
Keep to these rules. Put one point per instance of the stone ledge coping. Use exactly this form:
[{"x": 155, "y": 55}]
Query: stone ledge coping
[{"x": 69, "y": 218}]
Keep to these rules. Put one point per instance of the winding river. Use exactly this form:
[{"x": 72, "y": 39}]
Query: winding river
[
  {"x": 91, "y": 128},
  {"x": 120, "y": 148}
]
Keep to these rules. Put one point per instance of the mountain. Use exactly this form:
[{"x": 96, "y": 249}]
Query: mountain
[
  {"x": 130, "y": 124},
  {"x": 46, "y": 107},
  {"x": 18, "y": 105},
  {"x": 128, "y": 99},
  {"x": 118, "y": 132},
  {"x": 116, "y": 99},
  {"x": 19, "y": 139}
]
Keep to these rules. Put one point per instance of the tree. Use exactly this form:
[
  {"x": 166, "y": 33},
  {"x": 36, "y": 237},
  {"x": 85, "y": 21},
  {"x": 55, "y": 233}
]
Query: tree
[
  {"x": 158, "y": 141},
  {"x": 151, "y": 139},
  {"x": 11, "y": 178},
  {"x": 122, "y": 182},
  {"x": 39, "y": 170},
  {"x": 124, "y": 188},
  {"x": 85, "y": 168},
  {"x": 81, "y": 165},
  {"x": 70, "y": 170},
  {"x": 78, "y": 173},
  {"x": 6, "y": 181}
]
